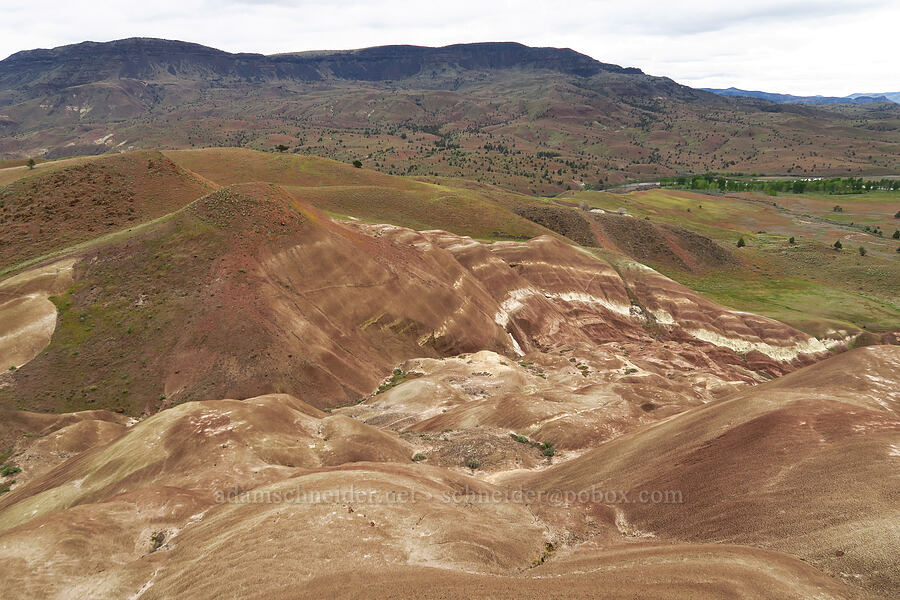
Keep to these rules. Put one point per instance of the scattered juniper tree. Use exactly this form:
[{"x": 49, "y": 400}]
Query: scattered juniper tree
[
  {"x": 838, "y": 245},
  {"x": 741, "y": 243}
]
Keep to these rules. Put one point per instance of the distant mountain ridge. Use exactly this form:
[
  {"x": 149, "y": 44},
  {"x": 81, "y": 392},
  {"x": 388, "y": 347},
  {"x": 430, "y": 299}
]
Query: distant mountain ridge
[
  {"x": 536, "y": 120},
  {"x": 892, "y": 96},
  {"x": 810, "y": 100}
]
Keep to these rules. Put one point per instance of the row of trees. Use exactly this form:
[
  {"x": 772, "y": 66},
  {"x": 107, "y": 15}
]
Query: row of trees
[{"x": 836, "y": 185}]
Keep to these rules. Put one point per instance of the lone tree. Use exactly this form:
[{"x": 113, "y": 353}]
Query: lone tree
[
  {"x": 357, "y": 164},
  {"x": 838, "y": 245},
  {"x": 897, "y": 234},
  {"x": 837, "y": 208},
  {"x": 31, "y": 163},
  {"x": 791, "y": 240},
  {"x": 281, "y": 147},
  {"x": 862, "y": 251},
  {"x": 741, "y": 243}
]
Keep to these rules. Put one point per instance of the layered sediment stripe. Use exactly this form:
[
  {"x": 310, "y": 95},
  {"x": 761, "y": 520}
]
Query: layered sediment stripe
[{"x": 785, "y": 353}]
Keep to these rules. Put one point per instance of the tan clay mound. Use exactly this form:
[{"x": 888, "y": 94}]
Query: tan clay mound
[
  {"x": 27, "y": 317},
  {"x": 49, "y": 450},
  {"x": 805, "y": 465},
  {"x": 673, "y": 572},
  {"x": 37, "y": 442},
  {"x": 210, "y": 447},
  {"x": 79, "y": 552},
  {"x": 311, "y": 525},
  {"x": 547, "y": 397}
]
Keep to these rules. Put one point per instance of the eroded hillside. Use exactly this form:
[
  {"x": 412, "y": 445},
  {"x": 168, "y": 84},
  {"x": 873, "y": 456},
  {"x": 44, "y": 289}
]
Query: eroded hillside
[{"x": 269, "y": 390}]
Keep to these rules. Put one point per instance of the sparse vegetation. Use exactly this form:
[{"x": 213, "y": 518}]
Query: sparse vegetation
[
  {"x": 549, "y": 549},
  {"x": 397, "y": 377},
  {"x": 546, "y": 448},
  {"x": 7, "y": 470},
  {"x": 157, "y": 540},
  {"x": 419, "y": 457}
]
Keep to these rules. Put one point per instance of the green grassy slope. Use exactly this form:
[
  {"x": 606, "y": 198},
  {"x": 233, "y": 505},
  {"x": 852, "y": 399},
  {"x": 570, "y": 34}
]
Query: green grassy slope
[{"x": 807, "y": 284}]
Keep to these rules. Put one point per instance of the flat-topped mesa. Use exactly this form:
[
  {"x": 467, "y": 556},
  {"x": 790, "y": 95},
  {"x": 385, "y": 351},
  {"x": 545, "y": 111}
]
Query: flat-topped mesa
[{"x": 152, "y": 59}]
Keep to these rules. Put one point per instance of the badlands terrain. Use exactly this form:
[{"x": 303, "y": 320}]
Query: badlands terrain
[{"x": 236, "y": 374}]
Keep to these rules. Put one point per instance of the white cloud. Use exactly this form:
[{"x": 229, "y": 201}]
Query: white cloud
[{"x": 795, "y": 46}]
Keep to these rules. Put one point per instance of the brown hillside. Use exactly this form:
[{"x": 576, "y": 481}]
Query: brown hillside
[{"x": 53, "y": 210}]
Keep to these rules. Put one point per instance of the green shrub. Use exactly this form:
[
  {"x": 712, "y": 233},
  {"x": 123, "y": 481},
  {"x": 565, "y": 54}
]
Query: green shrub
[
  {"x": 519, "y": 438},
  {"x": 741, "y": 243},
  {"x": 156, "y": 541},
  {"x": 547, "y": 449},
  {"x": 418, "y": 457},
  {"x": 473, "y": 463},
  {"x": 7, "y": 470}
]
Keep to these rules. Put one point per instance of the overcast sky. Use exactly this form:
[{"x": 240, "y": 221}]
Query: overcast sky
[{"x": 832, "y": 47}]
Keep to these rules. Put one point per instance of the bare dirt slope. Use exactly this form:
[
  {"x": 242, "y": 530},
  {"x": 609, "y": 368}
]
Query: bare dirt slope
[
  {"x": 270, "y": 496},
  {"x": 805, "y": 464}
]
